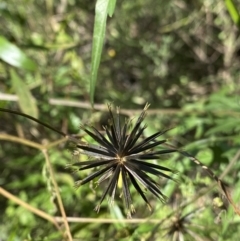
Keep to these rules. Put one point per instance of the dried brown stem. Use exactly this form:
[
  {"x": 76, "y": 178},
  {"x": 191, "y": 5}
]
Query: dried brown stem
[
  {"x": 59, "y": 199},
  {"x": 30, "y": 208}
]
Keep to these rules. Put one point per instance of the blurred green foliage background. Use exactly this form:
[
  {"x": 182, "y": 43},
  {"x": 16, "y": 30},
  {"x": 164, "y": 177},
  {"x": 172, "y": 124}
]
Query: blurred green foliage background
[{"x": 182, "y": 57}]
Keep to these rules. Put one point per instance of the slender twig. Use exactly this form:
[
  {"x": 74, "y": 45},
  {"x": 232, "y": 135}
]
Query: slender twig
[
  {"x": 35, "y": 145},
  {"x": 8, "y": 97},
  {"x": 131, "y": 112},
  {"x": 128, "y": 112},
  {"x": 107, "y": 220},
  {"x": 230, "y": 165},
  {"x": 22, "y": 141},
  {"x": 44, "y": 150},
  {"x": 59, "y": 199},
  {"x": 103, "y": 107},
  {"x": 30, "y": 208}
]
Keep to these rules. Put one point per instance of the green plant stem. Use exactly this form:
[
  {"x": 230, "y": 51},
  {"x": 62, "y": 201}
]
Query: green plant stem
[
  {"x": 59, "y": 199},
  {"x": 30, "y": 208}
]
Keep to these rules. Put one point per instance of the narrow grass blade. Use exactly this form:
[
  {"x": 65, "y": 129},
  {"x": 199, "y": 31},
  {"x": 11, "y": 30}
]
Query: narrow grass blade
[
  {"x": 101, "y": 11},
  {"x": 232, "y": 9}
]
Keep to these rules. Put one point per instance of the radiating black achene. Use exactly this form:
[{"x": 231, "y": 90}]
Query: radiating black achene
[{"x": 123, "y": 156}]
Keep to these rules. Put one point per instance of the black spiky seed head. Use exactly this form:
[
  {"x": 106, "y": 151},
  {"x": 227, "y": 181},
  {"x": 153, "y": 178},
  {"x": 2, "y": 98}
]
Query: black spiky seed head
[
  {"x": 182, "y": 227},
  {"x": 122, "y": 156}
]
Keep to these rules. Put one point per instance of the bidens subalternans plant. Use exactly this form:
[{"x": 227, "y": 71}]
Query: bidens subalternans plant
[{"x": 123, "y": 156}]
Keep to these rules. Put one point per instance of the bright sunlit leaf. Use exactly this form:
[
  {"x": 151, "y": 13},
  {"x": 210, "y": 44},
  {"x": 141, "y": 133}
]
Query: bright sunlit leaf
[{"x": 12, "y": 55}]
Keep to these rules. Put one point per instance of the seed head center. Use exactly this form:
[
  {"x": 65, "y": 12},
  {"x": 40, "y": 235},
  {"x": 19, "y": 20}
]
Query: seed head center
[{"x": 122, "y": 159}]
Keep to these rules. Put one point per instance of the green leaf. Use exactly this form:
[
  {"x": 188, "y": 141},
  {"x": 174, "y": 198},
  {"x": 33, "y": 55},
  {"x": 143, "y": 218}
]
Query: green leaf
[
  {"x": 101, "y": 11},
  {"x": 226, "y": 125},
  {"x": 12, "y": 55},
  {"x": 233, "y": 11},
  {"x": 116, "y": 213},
  {"x": 205, "y": 155},
  {"x": 26, "y": 102},
  {"x": 111, "y": 7}
]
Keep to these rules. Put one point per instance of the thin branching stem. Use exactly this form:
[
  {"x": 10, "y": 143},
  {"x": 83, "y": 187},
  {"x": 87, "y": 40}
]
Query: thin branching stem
[
  {"x": 22, "y": 141},
  {"x": 30, "y": 208},
  {"x": 35, "y": 145},
  {"x": 107, "y": 220},
  {"x": 44, "y": 150},
  {"x": 128, "y": 112},
  {"x": 59, "y": 199}
]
